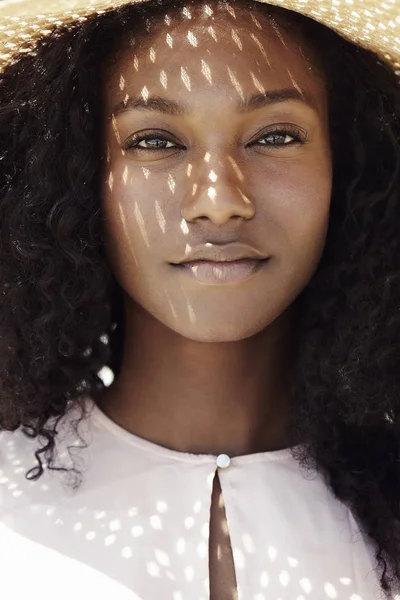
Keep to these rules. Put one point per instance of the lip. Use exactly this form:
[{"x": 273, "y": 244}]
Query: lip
[
  {"x": 219, "y": 253},
  {"x": 222, "y": 272}
]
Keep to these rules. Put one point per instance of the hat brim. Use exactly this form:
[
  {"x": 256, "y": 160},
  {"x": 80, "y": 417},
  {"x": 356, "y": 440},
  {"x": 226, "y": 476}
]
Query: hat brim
[{"x": 371, "y": 24}]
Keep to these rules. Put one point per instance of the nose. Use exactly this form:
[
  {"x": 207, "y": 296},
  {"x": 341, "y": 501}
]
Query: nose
[{"x": 217, "y": 198}]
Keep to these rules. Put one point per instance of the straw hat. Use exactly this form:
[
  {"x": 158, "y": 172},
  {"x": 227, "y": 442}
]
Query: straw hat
[{"x": 372, "y": 24}]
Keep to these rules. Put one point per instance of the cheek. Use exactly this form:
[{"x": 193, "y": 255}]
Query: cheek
[
  {"x": 292, "y": 211},
  {"x": 137, "y": 227},
  {"x": 129, "y": 229},
  {"x": 297, "y": 203},
  {"x": 134, "y": 218}
]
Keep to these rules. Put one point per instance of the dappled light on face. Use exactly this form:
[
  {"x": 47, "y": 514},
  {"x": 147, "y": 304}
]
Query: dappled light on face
[
  {"x": 127, "y": 235},
  {"x": 306, "y": 58},
  {"x": 186, "y": 158},
  {"x": 229, "y": 8},
  {"x": 171, "y": 183},
  {"x": 172, "y": 307},
  {"x": 295, "y": 84},
  {"x": 206, "y": 71},
  {"x": 186, "y": 12},
  {"x": 144, "y": 93},
  {"x": 236, "y": 39},
  {"x": 152, "y": 55},
  {"x": 236, "y": 168},
  {"x": 244, "y": 198},
  {"x": 236, "y": 83},
  {"x": 190, "y": 310},
  {"x": 257, "y": 83},
  {"x": 278, "y": 33},
  {"x": 261, "y": 48},
  {"x": 207, "y": 10},
  {"x": 110, "y": 181},
  {"x": 211, "y": 192},
  {"x": 184, "y": 227},
  {"x": 192, "y": 39},
  {"x": 164, "y": 79},
  {"x": 185, "y": 78},
  {"x": 115, "y": 128},
  {"x": 140, "y": 221},
  {"x": 256, "y": 21},
  {"x": 160, "y": 216},
  {"x": 190, "y": 314}
]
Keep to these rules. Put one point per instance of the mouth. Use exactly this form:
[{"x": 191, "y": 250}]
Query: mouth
[{"x": 216, "y": 272}]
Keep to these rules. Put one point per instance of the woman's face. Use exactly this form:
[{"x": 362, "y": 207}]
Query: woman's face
[{"x": 221, "y": 165}]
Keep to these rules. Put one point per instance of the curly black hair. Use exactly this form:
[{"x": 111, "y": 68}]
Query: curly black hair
[{"x": 61, "y": 318}]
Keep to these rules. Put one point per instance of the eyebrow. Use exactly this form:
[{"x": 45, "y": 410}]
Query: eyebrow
[{"x": 171, "y": 107}]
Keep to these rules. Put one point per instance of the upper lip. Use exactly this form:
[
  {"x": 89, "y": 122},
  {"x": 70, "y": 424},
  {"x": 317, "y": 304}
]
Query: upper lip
[{"x": 221, "y": 253}]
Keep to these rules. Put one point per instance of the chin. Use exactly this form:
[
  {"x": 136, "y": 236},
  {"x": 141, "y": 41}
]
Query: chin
[{"x": 219, "y": 332}]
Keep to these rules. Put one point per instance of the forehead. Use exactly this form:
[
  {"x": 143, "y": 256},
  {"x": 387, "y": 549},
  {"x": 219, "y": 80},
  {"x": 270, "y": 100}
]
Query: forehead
[{"x": 243, "y": 52}]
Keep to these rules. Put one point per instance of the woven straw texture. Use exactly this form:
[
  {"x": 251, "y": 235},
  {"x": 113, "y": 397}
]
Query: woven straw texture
[{"x": 372, "y": 24}]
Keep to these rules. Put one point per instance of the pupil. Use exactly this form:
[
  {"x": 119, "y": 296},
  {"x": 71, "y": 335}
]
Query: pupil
[{"x": 155, "y": 142}]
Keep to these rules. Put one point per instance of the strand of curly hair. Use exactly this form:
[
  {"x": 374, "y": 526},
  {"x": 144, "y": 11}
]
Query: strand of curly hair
[{"x": 61, "y": 318}]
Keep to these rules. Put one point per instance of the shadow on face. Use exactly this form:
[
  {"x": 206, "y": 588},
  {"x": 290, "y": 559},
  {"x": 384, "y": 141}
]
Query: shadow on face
[{"x": 217, "y": 134}]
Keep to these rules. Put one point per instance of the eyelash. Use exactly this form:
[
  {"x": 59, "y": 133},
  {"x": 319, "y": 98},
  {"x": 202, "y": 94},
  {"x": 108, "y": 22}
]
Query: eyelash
[{"x": 297, "y": 134}]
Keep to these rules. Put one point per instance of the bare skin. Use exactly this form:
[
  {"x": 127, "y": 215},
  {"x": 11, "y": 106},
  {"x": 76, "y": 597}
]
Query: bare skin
[{"x": 207, "y": 368}]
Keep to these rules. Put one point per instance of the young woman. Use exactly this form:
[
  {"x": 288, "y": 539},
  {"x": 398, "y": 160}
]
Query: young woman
[{"x": 201, "y": 199}]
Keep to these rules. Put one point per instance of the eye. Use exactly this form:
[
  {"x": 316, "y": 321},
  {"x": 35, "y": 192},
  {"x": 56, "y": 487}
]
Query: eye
[
  {"x": 278, "y": 138},
  {"x": 149, "y": 143},
  {"x": 283, "y": 137}
]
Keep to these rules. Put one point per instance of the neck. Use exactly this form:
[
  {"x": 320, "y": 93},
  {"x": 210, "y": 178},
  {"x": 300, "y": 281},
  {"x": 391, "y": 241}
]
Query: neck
[{"x": 197, "y": 397}]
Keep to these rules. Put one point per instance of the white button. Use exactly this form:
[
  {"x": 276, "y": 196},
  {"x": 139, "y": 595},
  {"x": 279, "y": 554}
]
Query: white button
[{"x": 223, "y": 461}]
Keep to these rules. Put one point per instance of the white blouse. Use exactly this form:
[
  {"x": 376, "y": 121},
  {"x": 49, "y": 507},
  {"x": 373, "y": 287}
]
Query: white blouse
[{"x": 137, "y": 527}]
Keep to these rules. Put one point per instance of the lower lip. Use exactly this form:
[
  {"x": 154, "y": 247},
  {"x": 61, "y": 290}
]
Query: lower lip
[{"x": 222, "y": 272}]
